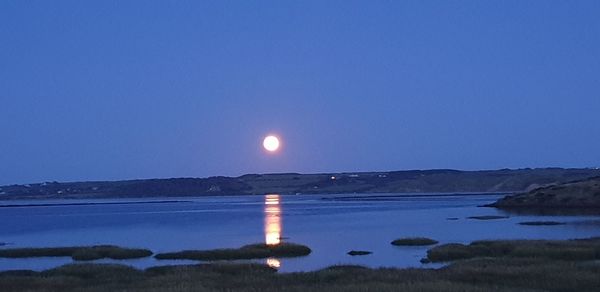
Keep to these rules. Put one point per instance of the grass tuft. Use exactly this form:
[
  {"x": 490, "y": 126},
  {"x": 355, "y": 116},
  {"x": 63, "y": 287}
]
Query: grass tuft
[
  {"x": 414, "y": 241},
  {"x": 359, "y": 252}
]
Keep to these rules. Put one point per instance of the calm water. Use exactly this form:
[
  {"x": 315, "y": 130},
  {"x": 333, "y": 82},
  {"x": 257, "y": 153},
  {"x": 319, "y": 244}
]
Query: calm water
[{"x": 331, "y": 225}]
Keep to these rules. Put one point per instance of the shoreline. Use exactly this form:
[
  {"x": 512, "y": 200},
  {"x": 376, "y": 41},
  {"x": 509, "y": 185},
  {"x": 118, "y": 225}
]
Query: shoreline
[
  {"x": 47, "y": 202},
  {"x": 382, "y": 182}
]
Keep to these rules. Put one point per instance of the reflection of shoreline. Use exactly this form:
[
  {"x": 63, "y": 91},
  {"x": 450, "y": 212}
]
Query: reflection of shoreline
[
  {"x": 272, "y": 225},
  {"x": 89, "y": 203}
]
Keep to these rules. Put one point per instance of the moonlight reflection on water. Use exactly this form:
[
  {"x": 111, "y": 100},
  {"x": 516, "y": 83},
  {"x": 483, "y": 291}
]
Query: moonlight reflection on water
[
  {"x": 272, "y": 225},
  {"x": 272, "y": 219}
]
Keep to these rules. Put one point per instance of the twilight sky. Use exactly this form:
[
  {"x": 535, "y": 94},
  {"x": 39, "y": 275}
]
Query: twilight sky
[{"x": 103, "y": 90}]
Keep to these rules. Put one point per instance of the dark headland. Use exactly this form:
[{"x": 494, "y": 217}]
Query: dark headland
[
  {"x": 408, "y": 181},
  {"x": 576, "y": 194}
]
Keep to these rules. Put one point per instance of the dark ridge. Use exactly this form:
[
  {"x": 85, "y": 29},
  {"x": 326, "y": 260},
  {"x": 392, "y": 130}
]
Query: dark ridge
[
  {"x": 578, "y": 194},
  {"x": 409, "y": 181}
]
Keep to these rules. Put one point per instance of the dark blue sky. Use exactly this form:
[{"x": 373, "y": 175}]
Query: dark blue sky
[{"x": 138, "y": 89}]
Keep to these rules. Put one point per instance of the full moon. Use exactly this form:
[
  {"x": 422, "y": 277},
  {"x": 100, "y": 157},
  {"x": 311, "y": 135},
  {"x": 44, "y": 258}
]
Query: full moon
[{"x": 271, "y": 143}]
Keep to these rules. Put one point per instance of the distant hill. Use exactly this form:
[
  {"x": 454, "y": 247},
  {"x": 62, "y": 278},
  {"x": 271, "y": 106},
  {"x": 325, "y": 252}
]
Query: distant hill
[
  {"x": 409, "y": 181},
  {"x": 576, "y": 194}
]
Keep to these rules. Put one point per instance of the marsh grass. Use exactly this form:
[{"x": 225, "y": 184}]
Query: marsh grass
[
  {"x": 581, "y": 249},
  {"x": 78, "y": 253},
  {"x": 519, "y": 265},
  {"x": 359, "y": 252},
  {"x": 252, "y": 251},
  {"x": 414, "y": 241},
  {"x": 489, "y": 274}
]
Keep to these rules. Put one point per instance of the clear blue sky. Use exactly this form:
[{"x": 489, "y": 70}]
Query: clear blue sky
[{"x": 95, "y": 90}]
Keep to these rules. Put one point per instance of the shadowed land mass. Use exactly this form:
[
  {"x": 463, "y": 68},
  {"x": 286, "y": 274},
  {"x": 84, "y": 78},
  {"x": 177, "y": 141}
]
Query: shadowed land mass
[
  {"x": 409, "y": 181},
  {"x": 582, "y": 194}
]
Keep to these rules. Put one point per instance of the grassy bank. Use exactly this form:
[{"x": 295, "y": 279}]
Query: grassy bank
[
  {"x": 79, "y": 253},
  {"x": 570, "y": 250},
  {"x": 252, "y": 251},
  {"x": 493, "y": 274}
]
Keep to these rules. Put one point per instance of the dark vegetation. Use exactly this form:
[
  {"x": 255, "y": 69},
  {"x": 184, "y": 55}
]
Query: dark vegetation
[
  {"x": 502, "y": 266},
  {"x": 565, "y": 250},
  {"x": 253, "y": 251},
  {"x": 487, "y": 217},
  {"x": 359, "y": 252},
  {"x": 78, "y": 253},
  {"x": 541, "y": 223},
  {"x": 580, "y": 194},
  {"x": 414, "y": 241},
  {"x": 442, "y": 180}
]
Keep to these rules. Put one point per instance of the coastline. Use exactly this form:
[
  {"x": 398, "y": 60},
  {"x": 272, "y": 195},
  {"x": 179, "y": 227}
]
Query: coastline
[{"x": 385, "y": 182}]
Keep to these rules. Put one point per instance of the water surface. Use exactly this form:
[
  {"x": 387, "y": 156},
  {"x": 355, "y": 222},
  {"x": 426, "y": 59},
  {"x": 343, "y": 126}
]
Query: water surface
[{"x": 331, "y": 225}]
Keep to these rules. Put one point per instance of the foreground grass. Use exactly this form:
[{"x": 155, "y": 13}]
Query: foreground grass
[
  {"x": 570, "y": 250},
  {"x": 252, "y": 251},
  {"x": 414, "y": 241},
  {"x": 491, "y": 274},
  {"x": 519, "y": 265},
  {"x": 78, "y": 253}
]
